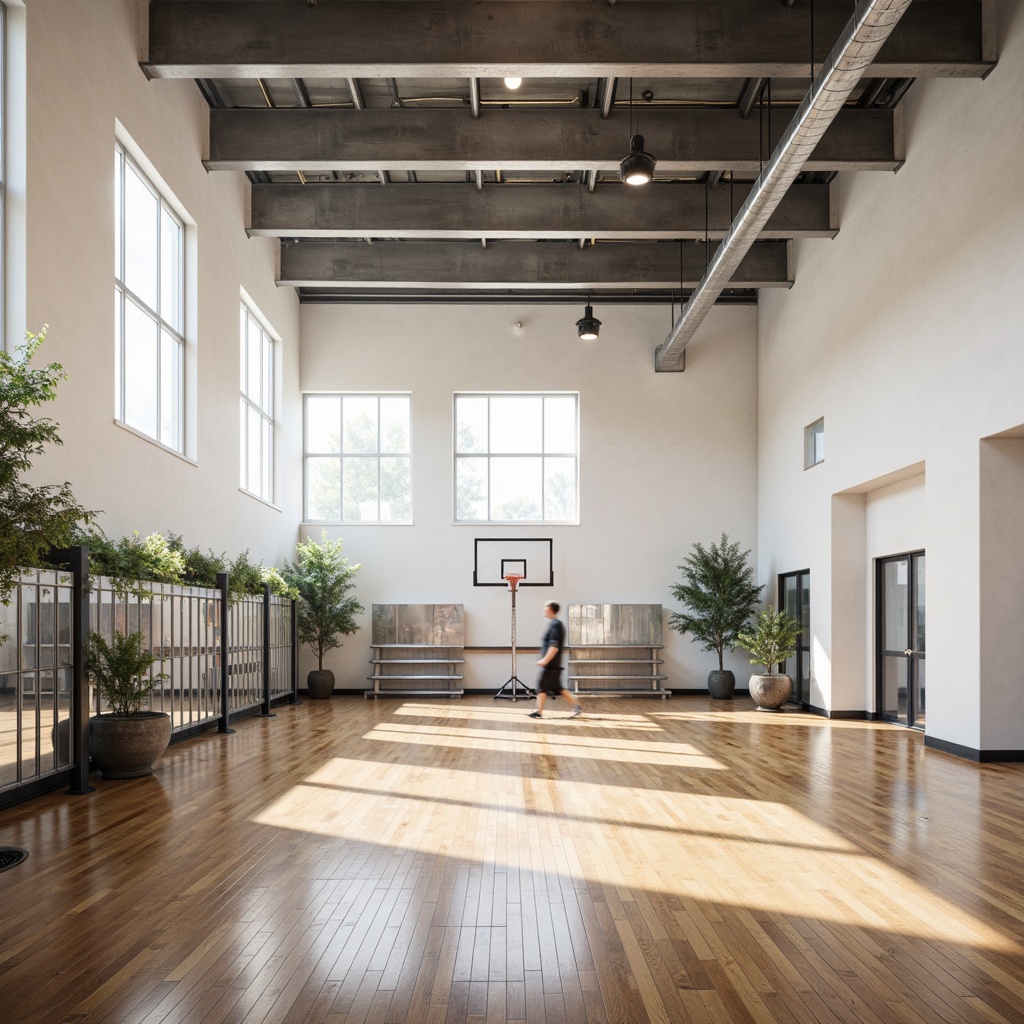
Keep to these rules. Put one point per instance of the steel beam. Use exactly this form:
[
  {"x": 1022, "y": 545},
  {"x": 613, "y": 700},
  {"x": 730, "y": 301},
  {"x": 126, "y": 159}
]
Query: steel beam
[
  {"x": 660, "y": 211},
  {"x": 569, "y": 38},
  {"x": 316, "y": 263},
  {"x": 685, "y": 140},
  {"x": 872, "y": 23}
]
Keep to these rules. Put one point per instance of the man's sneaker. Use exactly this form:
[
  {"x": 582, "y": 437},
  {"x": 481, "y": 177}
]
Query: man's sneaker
[
  {"x": 535, "y": 714},
  {"x": 576, "y": 711}
]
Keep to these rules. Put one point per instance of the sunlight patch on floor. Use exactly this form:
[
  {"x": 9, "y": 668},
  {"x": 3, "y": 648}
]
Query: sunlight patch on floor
[
  {"x": 741, "y": 852},
  {"x": 521, "y": 709},
  {"x": 581, "y": 744}
]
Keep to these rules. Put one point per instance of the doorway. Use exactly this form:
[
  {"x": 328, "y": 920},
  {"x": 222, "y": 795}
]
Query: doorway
[
  {"x": 795, "y": 601},
  {"x": 900, "y": 603}
]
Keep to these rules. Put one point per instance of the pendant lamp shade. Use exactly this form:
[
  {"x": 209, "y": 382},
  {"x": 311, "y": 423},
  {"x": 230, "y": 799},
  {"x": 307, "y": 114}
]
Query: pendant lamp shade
[
  {"x": 637, "y": 167},
  {"x": 588, "y": 326}
]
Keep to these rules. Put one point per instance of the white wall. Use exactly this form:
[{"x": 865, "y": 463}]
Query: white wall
[
  {"x": 666, "y": 459},
  {"x": 905, "y": 333},
  {"x": 82, "y": 76}
]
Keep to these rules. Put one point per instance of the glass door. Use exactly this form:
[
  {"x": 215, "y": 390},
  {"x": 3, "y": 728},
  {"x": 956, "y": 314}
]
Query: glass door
[
  {"x": 795, "y": 601},
  {"x": 900, "y": 601}
]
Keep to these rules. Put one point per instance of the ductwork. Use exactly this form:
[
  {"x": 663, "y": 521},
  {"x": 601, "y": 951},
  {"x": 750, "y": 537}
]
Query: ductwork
[{"x": 863, "y": 37}]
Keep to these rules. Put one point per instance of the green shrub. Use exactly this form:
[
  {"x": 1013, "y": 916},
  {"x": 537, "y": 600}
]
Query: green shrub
[
  {"x": 130, "y": 562},
  {"x": 200, "y": 570},
  {"x": 120, "y": 671},
  {"x": 32, "y": 518}
]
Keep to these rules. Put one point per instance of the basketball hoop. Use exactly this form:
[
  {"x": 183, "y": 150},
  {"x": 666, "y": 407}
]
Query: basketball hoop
[{"x": 513, "y": 581}]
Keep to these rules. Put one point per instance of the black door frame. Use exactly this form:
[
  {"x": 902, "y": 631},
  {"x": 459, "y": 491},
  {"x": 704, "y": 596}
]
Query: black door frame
[
  {"x": 914, "y": 657},
  {"x": 803, "y": 643}
]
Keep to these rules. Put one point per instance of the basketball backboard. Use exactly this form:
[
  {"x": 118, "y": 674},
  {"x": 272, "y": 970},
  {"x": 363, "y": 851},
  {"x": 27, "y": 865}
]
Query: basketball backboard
[{"x": 495, "y": 558}]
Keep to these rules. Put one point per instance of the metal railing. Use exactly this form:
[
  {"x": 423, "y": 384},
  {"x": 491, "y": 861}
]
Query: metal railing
[
  {"x": 36, "y": 678},
  {"x": 45, "y": 693}
]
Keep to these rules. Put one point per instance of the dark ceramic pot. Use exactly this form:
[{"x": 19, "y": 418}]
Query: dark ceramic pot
[
  {"x": 320, "y": 683},
  {"x": 721, "y": 684},
  {"x": 127, "y": 746}
]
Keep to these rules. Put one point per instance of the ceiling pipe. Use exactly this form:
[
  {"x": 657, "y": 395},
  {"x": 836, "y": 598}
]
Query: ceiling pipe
[{"x": 863, "y": 37}]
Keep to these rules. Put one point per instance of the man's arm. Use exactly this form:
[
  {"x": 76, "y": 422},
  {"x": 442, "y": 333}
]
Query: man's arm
[{"x": 548, "y": 656}]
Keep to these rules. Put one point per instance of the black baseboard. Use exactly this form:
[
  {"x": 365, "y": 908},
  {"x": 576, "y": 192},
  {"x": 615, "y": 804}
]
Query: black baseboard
[
  {"x": 840, "y": 715},
  {"x": 971, "y": 754}
]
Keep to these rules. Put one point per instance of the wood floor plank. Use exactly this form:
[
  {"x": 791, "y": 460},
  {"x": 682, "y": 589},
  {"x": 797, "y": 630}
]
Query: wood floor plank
[{"x": 422, "y": 862}]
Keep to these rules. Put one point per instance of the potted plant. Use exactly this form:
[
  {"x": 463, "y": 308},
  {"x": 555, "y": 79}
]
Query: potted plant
[
  {"x": 326, "y": 609},
  {"x": 126, "y": 741},
  {"x": 720, "y": 596},
  {"x": 771, "y": 643}
]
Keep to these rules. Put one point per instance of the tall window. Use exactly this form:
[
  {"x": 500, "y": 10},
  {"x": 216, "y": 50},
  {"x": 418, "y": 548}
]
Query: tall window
[
  {"x": 257, "y": 410},
  {"x": 358, "y": 458},
  {"x": 149, "y": 306},
  {"x": 516, "y": 458},
  {"x": 3, "y": 169}
]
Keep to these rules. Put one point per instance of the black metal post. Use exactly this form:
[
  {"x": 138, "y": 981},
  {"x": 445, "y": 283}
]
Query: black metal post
[
  {"x": 76, "y": 560},
  {"x": 295, "y": 652},
  {"x": 225, "y": 639},
  {"x": 266, "y": 712}
]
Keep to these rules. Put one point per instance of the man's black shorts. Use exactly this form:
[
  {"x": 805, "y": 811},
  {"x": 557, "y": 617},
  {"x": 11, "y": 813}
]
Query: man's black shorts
[{"x": 550, "y": 681}]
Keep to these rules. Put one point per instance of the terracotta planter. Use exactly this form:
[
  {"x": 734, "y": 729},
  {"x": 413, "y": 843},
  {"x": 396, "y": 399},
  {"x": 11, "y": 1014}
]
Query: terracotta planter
[
  {"x": 127, "y": 746},
  {"x": 320, "y": 684},
  {"x": 721, "y": 684},
  {"x": 770, "y": 692}
]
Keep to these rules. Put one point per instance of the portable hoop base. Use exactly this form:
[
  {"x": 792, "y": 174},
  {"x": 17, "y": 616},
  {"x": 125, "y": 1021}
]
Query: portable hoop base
[{"x": 514, "y": 688}]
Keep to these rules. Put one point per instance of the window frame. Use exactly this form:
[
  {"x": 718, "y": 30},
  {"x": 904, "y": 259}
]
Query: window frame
[
  {"x": 341, "y": 456},
  {"x": 124, "y": 160},
  {"x": 493, "y": 457},
  {"x": 814, "y": 443},
  {"x": 268, "y": 366}
]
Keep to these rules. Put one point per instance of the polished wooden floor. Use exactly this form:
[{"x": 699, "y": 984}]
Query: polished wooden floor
[{"x": 448, "y": 861}]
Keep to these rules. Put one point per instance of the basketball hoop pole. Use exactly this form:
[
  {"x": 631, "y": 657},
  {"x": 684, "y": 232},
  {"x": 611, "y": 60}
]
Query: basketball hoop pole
[{"x": 514, "y": 684}]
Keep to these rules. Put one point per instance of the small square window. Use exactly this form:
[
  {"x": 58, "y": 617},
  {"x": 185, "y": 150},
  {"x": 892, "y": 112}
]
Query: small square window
[{"x": 814, "y": 443}]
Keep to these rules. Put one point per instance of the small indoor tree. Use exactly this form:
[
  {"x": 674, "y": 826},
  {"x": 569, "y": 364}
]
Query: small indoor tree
[
  {"x": 327, "y": 610},
  {"x": 33, "y": 518},
  {"x": 772, "y": 641},
  {"x": 720, "y": 595}
]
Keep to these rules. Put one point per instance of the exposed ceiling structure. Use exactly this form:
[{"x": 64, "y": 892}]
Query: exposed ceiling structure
[{"x": 392, "y": 160}]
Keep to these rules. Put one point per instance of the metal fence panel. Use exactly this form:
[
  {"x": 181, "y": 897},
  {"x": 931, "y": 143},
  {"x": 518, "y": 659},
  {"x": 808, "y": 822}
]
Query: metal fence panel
[
  {"x": 35, "y": 678},
  {"x": 182, "y": 627}
]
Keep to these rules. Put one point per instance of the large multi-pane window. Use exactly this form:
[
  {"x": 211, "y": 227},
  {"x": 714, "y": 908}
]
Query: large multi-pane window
[
  {"x": 257, "y": 407},
  {"x": 358, "y": 458},
  {"x": 516, "y": 458},
  {"x": 149, "y": 306}
]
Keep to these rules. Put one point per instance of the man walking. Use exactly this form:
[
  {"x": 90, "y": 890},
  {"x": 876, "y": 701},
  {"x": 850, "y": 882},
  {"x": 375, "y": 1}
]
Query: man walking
[{"x": 549, "y": 682}]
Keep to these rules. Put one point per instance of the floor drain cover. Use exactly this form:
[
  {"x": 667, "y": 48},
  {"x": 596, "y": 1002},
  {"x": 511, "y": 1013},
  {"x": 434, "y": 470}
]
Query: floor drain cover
[{"x": 10, "y": 856}]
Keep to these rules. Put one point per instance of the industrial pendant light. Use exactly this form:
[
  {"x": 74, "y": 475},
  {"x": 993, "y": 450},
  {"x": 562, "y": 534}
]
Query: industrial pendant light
[
  {"x": 588, "y": 326},
  {"x": 512, "y": 82},
  {"x": 637, "y": 166}
]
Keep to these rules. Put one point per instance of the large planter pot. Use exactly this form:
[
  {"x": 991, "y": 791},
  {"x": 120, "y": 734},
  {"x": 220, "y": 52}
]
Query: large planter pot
[
  {"x": 127, "y": 746},
  {"x": 320, "y": 683},
  {"x": 770, "y": 692},
  {"x": 721, "y": 684}
]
